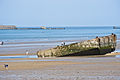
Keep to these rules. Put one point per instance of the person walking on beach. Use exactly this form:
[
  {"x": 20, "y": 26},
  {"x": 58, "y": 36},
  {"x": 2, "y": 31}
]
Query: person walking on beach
[
  {"x": 6, "y": 66},
  {"x": 1, "y": 43},
  {"x": 63, "y": 43},
  {"x": 27, "y": 52}
]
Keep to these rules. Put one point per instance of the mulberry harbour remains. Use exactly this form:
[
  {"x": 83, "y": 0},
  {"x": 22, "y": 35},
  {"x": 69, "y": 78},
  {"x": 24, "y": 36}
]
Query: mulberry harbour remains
[{"x": 97, "y": 46}]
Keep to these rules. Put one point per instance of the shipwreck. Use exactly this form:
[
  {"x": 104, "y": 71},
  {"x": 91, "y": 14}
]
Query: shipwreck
[{"x": 97, "y": 46}]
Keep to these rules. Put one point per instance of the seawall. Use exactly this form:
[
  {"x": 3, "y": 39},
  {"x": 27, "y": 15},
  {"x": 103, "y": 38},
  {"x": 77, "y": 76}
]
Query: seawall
[{"x": 97, "y": 46}]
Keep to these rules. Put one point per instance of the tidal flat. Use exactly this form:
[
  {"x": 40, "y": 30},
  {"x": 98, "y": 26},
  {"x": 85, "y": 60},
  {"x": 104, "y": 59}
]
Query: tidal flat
[{"x": 62, "y": 68}]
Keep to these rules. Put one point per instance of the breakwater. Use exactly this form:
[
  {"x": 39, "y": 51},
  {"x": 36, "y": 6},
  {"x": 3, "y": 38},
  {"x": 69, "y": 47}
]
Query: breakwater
[
  {"x": 97, "y": 46},
  {"x": 14, "y": 27},
  {"x": 7, "y": 27},
  {"x": 38, "y": 28}
]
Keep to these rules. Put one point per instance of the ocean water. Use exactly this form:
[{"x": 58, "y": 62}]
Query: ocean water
[
  {"x": 18, "y": 41},
  {"x": 13, "y": 57},
  {"x": 69, "y": 33}
]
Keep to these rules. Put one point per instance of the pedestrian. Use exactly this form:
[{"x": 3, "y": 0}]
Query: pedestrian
[
  {"x": 1, "y": 43},
  {"x": 6, "y": 66},
  {"x": 63, "y": 43},
  {"x": 27, "y": 52}
]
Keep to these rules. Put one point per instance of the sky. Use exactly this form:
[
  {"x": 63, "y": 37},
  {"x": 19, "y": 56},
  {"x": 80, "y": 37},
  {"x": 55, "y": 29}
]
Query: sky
[{"x": 59, "y": 12}]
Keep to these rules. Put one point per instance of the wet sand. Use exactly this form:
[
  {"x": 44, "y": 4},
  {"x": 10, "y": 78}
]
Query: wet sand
[
  {"x": 62, "y": 68},
  {"x": 21, "y": 47}
]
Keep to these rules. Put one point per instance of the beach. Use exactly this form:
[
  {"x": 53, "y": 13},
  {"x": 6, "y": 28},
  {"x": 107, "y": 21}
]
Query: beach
[
  {"x": 94, "y": 67},
  {"x": 62, "y": 68}
]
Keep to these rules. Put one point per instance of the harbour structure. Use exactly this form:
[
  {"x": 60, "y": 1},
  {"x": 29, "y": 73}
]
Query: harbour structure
[
  {"x": 8, "y": 27},
  {"x": 97, "y": 46},
  {"x": 3, "y": 27}
]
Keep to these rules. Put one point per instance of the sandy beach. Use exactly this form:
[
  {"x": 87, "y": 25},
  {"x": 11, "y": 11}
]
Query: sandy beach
[
  {"x": 96, "y": 67},
  {"x": 61, "y": 68}
]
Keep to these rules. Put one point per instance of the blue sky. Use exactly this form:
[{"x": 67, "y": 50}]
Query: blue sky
[{"x": 59, "y": 12}]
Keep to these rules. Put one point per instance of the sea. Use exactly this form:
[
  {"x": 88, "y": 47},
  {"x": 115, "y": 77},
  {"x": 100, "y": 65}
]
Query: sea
[
  {"x": 69, "y": 33},
  {"x": 33, "y": 40}
]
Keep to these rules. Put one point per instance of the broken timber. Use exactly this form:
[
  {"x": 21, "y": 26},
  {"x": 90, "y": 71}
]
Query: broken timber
[{"x": 97, "y": 46}]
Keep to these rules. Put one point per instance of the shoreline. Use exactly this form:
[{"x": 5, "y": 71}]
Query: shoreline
[
  {"x": 21, "y": 47},
  {"x": 87, "y": 56},
  {"x": 55, "y": 60},
  {"x": 32, "y": 42},
  {"x": 32, "y": 47}
]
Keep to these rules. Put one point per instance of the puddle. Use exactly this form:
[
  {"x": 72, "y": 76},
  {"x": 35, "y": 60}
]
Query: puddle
[
  {"x": 117, "y": 56},
  {"x": 28, "y": 60},
  {"x": 12, "y": 57},
  {"x": 117, "y": 50}
]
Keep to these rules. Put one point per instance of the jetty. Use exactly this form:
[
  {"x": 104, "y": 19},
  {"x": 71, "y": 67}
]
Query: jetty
[{"x": 97, "y": 46}]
